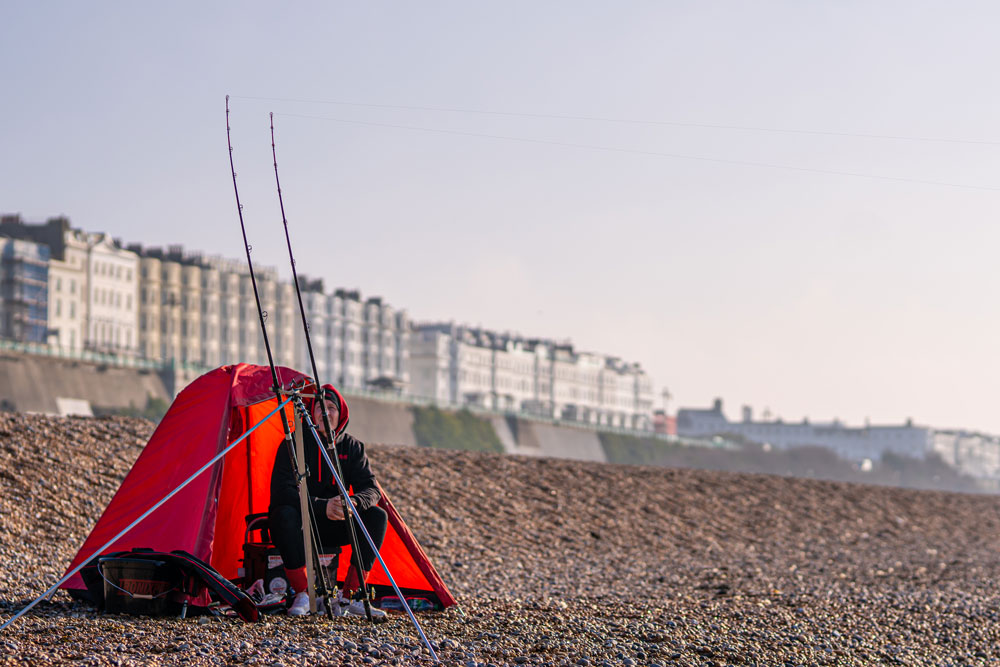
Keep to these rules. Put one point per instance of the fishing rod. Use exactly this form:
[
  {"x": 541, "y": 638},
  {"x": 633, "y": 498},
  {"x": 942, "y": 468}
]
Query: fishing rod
[
  {"x": 262, "y": 315},
  {"x": 349, "y": 513},
  {"x": 307, "y": 421}
]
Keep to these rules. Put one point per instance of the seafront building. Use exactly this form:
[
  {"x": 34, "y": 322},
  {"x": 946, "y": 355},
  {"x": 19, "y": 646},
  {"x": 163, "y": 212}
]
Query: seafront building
[
  {"x": 358, "y": 344},
  {"x": 24, "y": 288},
  {"x": 974, "y": 454},
  {"x": 192, "y": 313},
  {"x": 500, "y": 371},
  {"x": 199, "y": 311},
  {"x": 851, "y": 443},
  {"x": 93, "y": 286}
]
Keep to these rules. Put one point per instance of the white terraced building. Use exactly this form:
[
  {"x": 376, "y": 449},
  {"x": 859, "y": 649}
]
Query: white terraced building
[
  {"x": 471, "y": 366},
  {"x": 975, "y": 454},
  {"x": 93, "y": 289},
  {"x": 357, "y": 344},
  {"x": 202, "y": 311}
]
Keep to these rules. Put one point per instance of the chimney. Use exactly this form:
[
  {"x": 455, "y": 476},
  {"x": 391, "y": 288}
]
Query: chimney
[
  {"x": 717, "y": 405},
  {"x": 747, "y": 414}
]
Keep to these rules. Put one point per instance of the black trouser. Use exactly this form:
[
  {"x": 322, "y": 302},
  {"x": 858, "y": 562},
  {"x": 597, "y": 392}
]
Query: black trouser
[{"x": 286, "y": 532}]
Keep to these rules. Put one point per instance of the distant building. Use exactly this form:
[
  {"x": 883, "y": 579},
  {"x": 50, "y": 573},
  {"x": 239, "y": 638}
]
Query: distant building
[
  {"x": 201, "y": 311},
  {"x": 93, "y": 286},
  {"x": 191, "y": 313},
  {"x": 24, "y": 286},
  {"x": 851, "y": 443},
  {"x": 974, "y": 454},
  {"x": 357, "y": 344},
  {"x": 113, "y": 311},
  {"x": 663, "y": 423},
  {"x": 472, "y": 366}
]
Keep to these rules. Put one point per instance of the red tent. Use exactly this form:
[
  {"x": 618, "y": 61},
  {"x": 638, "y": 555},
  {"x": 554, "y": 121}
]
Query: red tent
[{"x": 207, "y": 517}]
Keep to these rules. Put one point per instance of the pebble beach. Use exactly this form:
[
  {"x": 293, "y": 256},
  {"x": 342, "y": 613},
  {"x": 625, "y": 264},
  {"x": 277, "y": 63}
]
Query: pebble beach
[{"x": 554, "y": 562}]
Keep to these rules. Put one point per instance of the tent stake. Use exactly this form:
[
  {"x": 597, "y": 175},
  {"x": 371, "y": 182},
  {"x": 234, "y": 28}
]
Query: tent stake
[{"x": 83, "y": 563}]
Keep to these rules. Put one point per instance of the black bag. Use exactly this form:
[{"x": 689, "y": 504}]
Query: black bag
[{"x": 197, "y": 576}]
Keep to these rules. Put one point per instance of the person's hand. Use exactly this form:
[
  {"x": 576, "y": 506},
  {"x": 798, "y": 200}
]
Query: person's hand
[{"x": 335, "y": 509}]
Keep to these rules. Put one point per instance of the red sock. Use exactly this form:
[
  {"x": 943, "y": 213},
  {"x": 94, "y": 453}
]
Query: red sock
[{"x": 297, "y": 579}]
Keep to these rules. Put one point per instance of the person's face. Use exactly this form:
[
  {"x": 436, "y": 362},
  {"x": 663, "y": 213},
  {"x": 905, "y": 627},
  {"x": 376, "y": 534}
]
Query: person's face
[{"x": 317, "y": 415}]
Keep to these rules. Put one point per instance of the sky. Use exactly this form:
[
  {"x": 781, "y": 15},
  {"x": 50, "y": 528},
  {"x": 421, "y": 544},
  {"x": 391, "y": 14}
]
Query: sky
[{"x": 787, "y": 205}]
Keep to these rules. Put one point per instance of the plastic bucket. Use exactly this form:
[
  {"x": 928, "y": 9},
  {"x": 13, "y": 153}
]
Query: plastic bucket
[{"x": 140, "y": 586}]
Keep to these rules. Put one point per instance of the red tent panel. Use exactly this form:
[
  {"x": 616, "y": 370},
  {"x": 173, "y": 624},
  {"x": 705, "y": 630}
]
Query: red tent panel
[
  {"x": 187, "y": 437},
  {"x": 246, "y": 481}
]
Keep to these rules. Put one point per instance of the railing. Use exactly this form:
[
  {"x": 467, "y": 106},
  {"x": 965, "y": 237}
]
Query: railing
[
  {"x": 95, "y": 356},
  {"x": 46, "y": 350}
]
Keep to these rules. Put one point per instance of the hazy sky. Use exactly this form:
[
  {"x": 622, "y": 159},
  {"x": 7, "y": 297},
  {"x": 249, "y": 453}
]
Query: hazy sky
[{"x": 615, "y": 194}]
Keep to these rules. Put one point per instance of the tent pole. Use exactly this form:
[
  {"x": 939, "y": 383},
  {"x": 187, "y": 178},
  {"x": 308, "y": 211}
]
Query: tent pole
[
  {"x": 152, "y": 509},
  {"x": 307, "y": 420}
]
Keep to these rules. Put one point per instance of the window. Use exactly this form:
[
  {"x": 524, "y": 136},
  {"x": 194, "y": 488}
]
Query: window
[
  {"x": 58, "y": 308},
  {"x": 72, "y": 310}
]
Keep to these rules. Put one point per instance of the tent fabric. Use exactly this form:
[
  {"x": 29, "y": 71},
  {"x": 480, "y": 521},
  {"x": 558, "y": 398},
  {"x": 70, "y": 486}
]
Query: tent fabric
[{"x": 207, "y": 517}]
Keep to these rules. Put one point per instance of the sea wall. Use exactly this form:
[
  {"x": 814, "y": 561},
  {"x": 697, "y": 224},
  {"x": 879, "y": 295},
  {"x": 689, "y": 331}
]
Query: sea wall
[
  {"x": 380, "y": 422},
  {"x": 60, "y": 386},
  {"x": 56, "y": 386}
]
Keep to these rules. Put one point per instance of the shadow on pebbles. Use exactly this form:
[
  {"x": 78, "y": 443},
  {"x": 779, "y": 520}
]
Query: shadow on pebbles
[{"x": 554, "y": 562}]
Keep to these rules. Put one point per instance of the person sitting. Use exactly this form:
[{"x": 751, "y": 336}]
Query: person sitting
[{"x": 285, "y": 516}]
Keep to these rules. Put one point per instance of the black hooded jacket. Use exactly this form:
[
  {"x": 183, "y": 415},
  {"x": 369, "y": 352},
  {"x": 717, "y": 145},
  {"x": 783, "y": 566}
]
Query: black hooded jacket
[{"x": 358, "y": 475}]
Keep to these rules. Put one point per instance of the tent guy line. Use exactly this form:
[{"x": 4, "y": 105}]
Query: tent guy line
[
  {"x": 152, "y": 509},
  {"x": 633, "y": 151}
]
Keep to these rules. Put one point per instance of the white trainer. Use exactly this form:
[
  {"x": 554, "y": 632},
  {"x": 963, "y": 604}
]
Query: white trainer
[
  {"x": 300, "y": 605},
  {"x": 357, "y": 608}
]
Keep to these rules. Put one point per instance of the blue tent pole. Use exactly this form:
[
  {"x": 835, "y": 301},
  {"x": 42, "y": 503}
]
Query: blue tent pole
[{"x": 147, "y": 513}]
